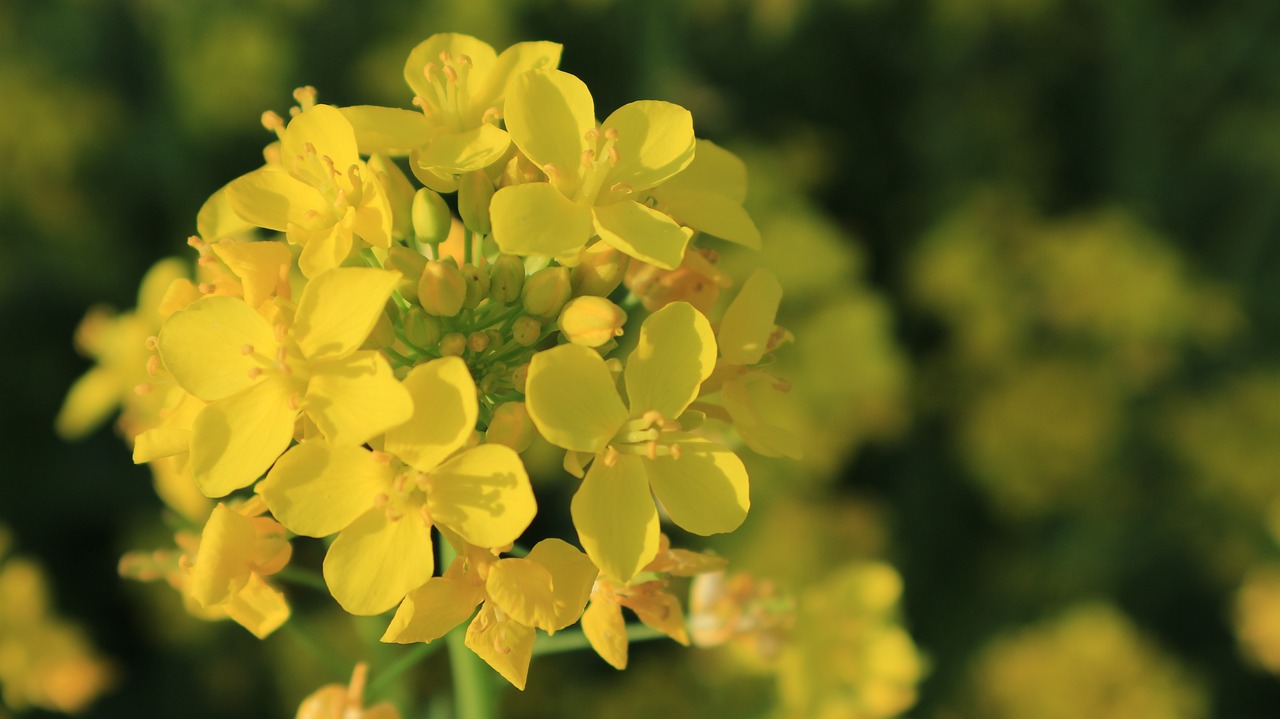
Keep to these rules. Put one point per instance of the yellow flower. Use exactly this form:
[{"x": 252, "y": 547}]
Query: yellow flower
[
  {"x": 258, "y": 378},
  {"x": 708, "y": 194},
  {"x": 336, "y": 701},
  {"x": 460, "y": 86},
  {"x": 592, "y": 174},
  {"x": 238, "y": 550},
  {"x": 321, "y": 196},
  {"x": 383, "y": 504},
  {"x": 545, "y": 590},
  {"x": 574, "y": 402}
]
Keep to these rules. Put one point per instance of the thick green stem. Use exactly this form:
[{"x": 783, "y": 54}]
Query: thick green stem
[{"x": 473, "y": 685}]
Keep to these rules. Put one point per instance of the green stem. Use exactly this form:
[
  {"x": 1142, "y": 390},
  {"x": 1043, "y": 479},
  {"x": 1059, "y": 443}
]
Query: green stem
[
  {"x": 302, "y": 635},
  {"x": 569, "y": 641},
  {"x": 301, "y": 577},
  {"x": 386, "y": 677},
  {"x": 472, "y": 684}
]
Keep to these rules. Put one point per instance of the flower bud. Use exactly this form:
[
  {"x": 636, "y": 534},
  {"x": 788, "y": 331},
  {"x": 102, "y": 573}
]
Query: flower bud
[
  {"x": 519, "y": 377},
  {"x": 526, "y": 331},
  {"x": 546, "y": 292},
  {"x": 506, "y": 278},
  {"x": 442, "y": 288},
  {"x": 599, "y": 271},
  {"x": 477, "y": 279},
  {"x": 420, "y": 328},
  {"x": 409, "y": 263},
  {"x": 474, "y": 192},
  {"x": 511, "y": 426},
  {"x": 477, "y": 342},
  {"x": 453, "y": 345},
  {"x": 591, "y": 321},
  {"x": 431, "y": 217}
]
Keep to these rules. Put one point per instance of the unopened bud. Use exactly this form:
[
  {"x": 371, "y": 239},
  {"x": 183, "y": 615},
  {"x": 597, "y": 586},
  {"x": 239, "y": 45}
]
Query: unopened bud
[
  {"x": 409, "y": 263},
  {"x": 591, "y": 321},
  {"x": 477, "y": 279},
  {"x": 546, "y": 291},
  {"x": 477, "y": 342},
  {"x": 519, "y": 377},
  {"x": 420, "y": 328},
  {"x": 506, "y": 278},
  {"x": 599, "y": 271},
  {"x": 431, "y": 217},
  {"x": 442, "y": 289},
  {"x": 453, "y": 345},
  {"x": 382, "y": 335},
  {"x": 474, "y": 192},
  {"x": 526, "y": 331},
  {"x": 511, "y": 426}
]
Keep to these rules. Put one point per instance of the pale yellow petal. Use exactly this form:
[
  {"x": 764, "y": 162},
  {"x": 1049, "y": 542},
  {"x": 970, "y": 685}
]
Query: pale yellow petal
[
  {"x": 89, "y": 402},
  {"x": 316, "y": 490},
  {"x": 235, "y": 440},
  {"x": 572, "y": 575},
  {"x": 676, "y": 353},
  {"x": 203, "y": 346},
  {"x": 258, "y": 607},
  {"x": 536, "y": 219},
  {"x": 705, "y": 490},
  {"x": 615, "y": 517},
  {"x": 222, "y": 564},
  {"x": 769, "y": 420},
  {"x": 607, "y": 631},
  {"x": 445, "y": 409},
  {"x": 711, "y": 213},
  {"x": 324, "y": 131},
  {"x": 339, "y": 308},
  {"x": 263, "y": 268},
  {"x": 655, "y": 141},
  {"x": 522, "y": 590},
  {"x": 520, "y": 57},
  {"x": 217, "y": 218},
  {"x": 642, "y": 233},
  {"x": 748, "y": 322},
  {"x": 375, "y": 562},
  {"x": 371, "y": 221},
  {"x": 430, "y": 611},
  {"x": 387, "y": 130},
  {"x": 714, "y": 169},
  {"x": 505, "y": 645},
  {"x": 357, "y": 398},
  {"x": 484, "y": 495},
  {"x": 455, "y": 153},
  {"x": 572, "y": 399},
  {"x": 325, "y": 248},
  {"x": 272, "y": 198},
  {"x": 548, "y": 113},
  {"x": 177, "y": 489},
  {"x": 455, "y": 44}
]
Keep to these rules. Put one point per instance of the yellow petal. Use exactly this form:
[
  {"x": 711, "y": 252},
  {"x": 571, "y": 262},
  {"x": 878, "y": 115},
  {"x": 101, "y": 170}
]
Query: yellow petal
[
  {"x": 661, "y": 611},
  {"x": 372, "y": 220},
  {"x": 432, "y": 179},
  {"x": 272, "y": 198},
  {"x": 323, "y": 249},
  {"x": 316, "y": 490},
  {"x": 641, "y": 232},
  {"x": 356, "y": 398},
  {"x": 375, "y": 562},
  {"x": 505, "y": 645},
  {"x": 548, "y": 113},
  {"x": 217, "y": 218},
  {"x": 714, "y": 169},
  {"x": 655, "y": 141},
  {"x": 572, "y": 398},
  {"x": 89, "y": 402},
  {"x": 748, "y": 322},
  {"x": 607, "y": 632},
  {"x": 258, "y": 607},
  {"x": 155, "y": 287},
  {"x": 177, "y": 489},
  {"x": 444, "y": 414},
  {"x": 769, "y": 420},
  {"x": 676, "y": 353},
  {"x": 536, "y": 219},
  {"x": 222, "y": 564},
  {"x": 455, "y": 44},
  {"x": 173, "y": 434},
  {"x": 430, "y": 611},
  {"x": 235, "y": 440},
  {"x": 387, "y": 130},
  {"x": 323, "y": 130},
  {"x": 263, "y": 268},
  {"x": 203, "y": 346},
  {"x": 338, "y": 309},
  {"x": 710, "y": 212},
  {"x": 705, "y": 490},
  {"x": 522, "y": 590},
  {"x": 484, "y": 495},
  {"x": 615, "y": 517},
  {"x": 519, "y": 58},
  {"x": 572, "y": 575},
  {"x": 455, "y": 153}
]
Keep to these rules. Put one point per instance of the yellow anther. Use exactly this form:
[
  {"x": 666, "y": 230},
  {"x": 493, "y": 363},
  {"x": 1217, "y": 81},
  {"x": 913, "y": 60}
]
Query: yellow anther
[
  {"x": 401, "y": 481},
  {"x": 381, "y": 500},
  {"x": 675, "y": 451},
  {"x": 652, "y": 417},
  {"x": 281, "y": 354},
  {"x": 588, "y": 158},
  {"x": 445, "y": 57},
  {"x": 309, "y": 148},
  {"x": 153, "y": 343},
  {"x": 425, "y": 513},
  {"x": 450, "y": 75},
  {"x": 271, "y": 121},
  {"x": 281, "y": 330},
  {"x": 610, "y": 456},
  {"x": 380, "y": 457},
  {"x": 295, "y": 111},
  {"x": 246, "y": 349},
  {"x": 294, "y": 403},
  {"x": 592, "y": 135},
  {"x": 651, "y": 449},
  {"x": 621, "y": 188},
  {"x": 255, "y": 372},
  {"x": 144, "y": 388},
  {"x": 206, "y": 260},
  {"x": 464, "y": 60},
  {"x": 153, "y": 365},
  {"x": 611, "y": 134},
  {"x": 392, "y": 514},
  {"x": 613, "y": 156},
  {"x": 207, "y": 288},
  {"x": 196, "y": 242},
  {"x": 306, "y": 96}
]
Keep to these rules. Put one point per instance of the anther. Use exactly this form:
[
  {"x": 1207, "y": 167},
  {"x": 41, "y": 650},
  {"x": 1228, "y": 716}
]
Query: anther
[
  {"x": 206, "y": 260},
  {"x": 613, "y": 156},
  {"x": 153, "y": 365},
  {"x": 450, "y": 75},
  {"x": 381, "y": 501},
  {"x": 271, "y": 121},
  {"x": 610, "y": 456},
  {"x": 309, "y": 148},
  {"x": 492, "y": 115},
  {"x": 207, "y": 288},
  {"x": 195, "y": 241},
  {"x": 428, "y": 69},
  {"x": 153, "y": 343},
  {"x": 380, "y": 457},
  {"x": 592, "y": 135},
  {"x": 675, "y": 451},
  {"x": 588, "y": 157},
  {"x": 464, "y": 60},
  {"x": 144, "y": 388},
  {"x": 255, "y": 372},
  {"x": 651, "y": 449},
  {"x": 621, "y": 188},
  {"x": 306, "y": 96},
  {"x": 294, "y": 404},
  {"x": 246, "y": 349},
  {"x": 281, "y": 354},
  {"x": 552, "y": 173},
  {"x": 611, "y": 134},
  {"x": 425, "y": 514},
  {"x": 445, "y": 57},
  {"x": 280, "y": 330}
]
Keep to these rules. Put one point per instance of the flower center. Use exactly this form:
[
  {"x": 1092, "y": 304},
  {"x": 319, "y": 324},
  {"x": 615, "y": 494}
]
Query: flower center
[
  {"x": 406, "y": 495},
  {"x": 448, "y": 102},
  {"x": 598, "y": 162},
  {"x": 651, "y": 436}
]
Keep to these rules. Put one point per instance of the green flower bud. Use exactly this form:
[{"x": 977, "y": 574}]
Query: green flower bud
[
  {"x": 478, "y": 342},
  {"x": 431, "y": 217},
  {"x": 546, "y": 292},
  {"x": 520, "y": 377},
  {"x": 474, "y": 192},
  {"x": 591, "y": 321},
  {"x": 511, "y": 426},
  {"x": 600, "y": 270},
  {"x": 526, "y": 331},
  {"x": 453, "y": 345},
  {"x": 420, "y": 328},
  {"x": 442, "y": 288},
  {"x": 409, "y": 263},
  {"x": 506, "y": 278},
  {"x": 477, "y": 279}
]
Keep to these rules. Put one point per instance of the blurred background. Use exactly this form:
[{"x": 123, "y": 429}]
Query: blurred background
[{"x": 1030, "y": 256}]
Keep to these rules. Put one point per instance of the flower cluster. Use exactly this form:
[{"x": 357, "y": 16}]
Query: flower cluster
[{"x": 352, "y": 362}]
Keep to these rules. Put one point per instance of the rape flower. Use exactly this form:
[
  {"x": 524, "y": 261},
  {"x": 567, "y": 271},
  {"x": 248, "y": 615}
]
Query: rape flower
[
  {"x": 335, "y": 701},
  {"x": 238, "y": 550},
  {"x": 384, "y": 504},
  {"x": 545, "y": 590},
  {"x": 460, "y": 86},
  {"x": 257, "y": 378},
  {"x": 322, "y": 196},
  {"x": 592, "y": 174},
  {"x": 573, "y": 400}
]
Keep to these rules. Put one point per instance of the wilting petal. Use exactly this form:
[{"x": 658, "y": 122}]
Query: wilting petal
[
  {"x": 548, "y": 113},
  {"x": 572, "y": 398},
  {"x": 258, "y": 607},
  {"x": 430, "y": 611},
  {"x": 376, "y": 561},
  {"x": 338, "y": 309},
  {"x": 655, "y": 141},
  {"x": 536, "y": 219},
  {"x": 316, "y": 490},
  {"x": 676, "y": 353},
  {"x": 747, "y": 324},
  {"x": 444, "y": 414},
  {"x": 387, "y": 130},
  {"x": 705, "y": 490},
  {"x": 505, "y": 645},
  {"x": 615, "y": 517},
  {"x": 641, "y": 232},
  {"x": 203, "y": 346},
  {"x": 235, "y": 440},
  {"x": 356, "y": 398},
  {"x": 484, "y": 495}
]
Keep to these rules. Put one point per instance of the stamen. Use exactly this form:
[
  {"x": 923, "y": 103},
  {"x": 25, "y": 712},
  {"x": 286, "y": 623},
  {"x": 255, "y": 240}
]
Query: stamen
[
  {"x": 144, "y": 388},
  {"x": 271, "y": 121},
  {"x": 552, "y": 173},
  {"x": 153, "y": 343},
  {"x": 611, "y": 134},
  {"x": 588, "y": 158},
  {"x": 613, "y": 156},
  {"x": 305, "y": 96},
  {"x": 380, "y": 457},
  {"x": 621, "y": 188},
  {"x": 207, "y": 288},
  {"x": 450, "y": 75},
  {"x": 255, "y": 372},
  {"x": 610, "y": 456},
  {"x": 492, "y": 115},
  {"x": 294, "y": 403},
  {"x": 196, "y": 242},
  {"x": 153, "y": 365},
  {"x": 381, "y": 501},
  {"x": 592, "y": 135},
  {"x": 246, "y": 349}
]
